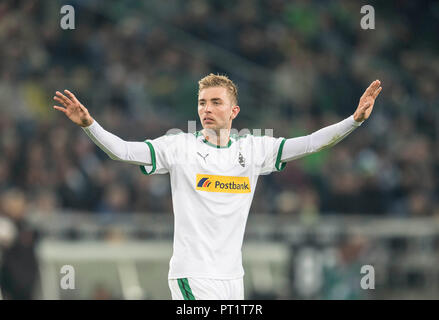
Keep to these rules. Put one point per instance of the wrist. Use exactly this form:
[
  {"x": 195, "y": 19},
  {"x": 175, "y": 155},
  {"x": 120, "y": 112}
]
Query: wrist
[
  {"x": 356, "y": 119},
  {"x": 87, "y": 123}
]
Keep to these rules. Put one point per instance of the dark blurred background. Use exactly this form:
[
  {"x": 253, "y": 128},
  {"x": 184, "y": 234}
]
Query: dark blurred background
[{"x": 299, "y": 66}]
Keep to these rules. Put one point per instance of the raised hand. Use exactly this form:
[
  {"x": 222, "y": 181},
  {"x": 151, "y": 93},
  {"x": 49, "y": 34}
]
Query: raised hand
[
  {"x": 73, "y": 109},
  {"x": 367, "y": 100}
]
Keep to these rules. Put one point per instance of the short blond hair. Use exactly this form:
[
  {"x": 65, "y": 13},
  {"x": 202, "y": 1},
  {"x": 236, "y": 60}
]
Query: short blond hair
[{"x": 216, "y": 80}]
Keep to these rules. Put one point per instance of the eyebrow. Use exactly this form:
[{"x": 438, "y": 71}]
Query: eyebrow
[{"x": 213, "y": 99}]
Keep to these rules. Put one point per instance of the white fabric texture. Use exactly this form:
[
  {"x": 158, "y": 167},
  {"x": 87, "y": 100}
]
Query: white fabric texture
[
  {"x": 326, "y": 137},
  {"x": 116, "y": 148}
]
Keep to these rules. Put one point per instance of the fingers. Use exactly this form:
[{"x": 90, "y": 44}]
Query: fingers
[
  {"x": 60, "y": 101},
  {"x": 64, "y": 98},
  {"x": 372, "y": 88},
  {"x": 374, "y": 85},
  {"x": 377, "y": 92},
  {"x": 71, "y": 96},
  {"x": 366, "y": 106},
  {"x": 60, "y": 109}
]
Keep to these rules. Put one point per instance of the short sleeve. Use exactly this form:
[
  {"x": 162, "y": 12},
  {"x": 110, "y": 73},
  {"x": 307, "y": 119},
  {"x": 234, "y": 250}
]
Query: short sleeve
[
  {"x": 271, "y": 150},
  {"x": 162, "y": 155}
]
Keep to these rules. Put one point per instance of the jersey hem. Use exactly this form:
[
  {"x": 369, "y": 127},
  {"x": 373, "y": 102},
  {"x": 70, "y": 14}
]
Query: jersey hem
[{"x": 204, "y": 276}]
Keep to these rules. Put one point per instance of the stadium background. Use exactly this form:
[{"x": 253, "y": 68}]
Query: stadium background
[{"x": 299, "y": 66}]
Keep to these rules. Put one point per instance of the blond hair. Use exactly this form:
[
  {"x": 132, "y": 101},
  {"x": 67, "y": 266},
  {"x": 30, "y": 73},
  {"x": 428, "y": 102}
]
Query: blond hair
[{"x": 217, "y": 80}]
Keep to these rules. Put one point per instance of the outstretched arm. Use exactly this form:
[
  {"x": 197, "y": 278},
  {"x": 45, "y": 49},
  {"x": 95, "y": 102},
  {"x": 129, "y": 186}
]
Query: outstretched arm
[
  {"x": 116, "y": 148},
  {"x": 295, "y": 148}
]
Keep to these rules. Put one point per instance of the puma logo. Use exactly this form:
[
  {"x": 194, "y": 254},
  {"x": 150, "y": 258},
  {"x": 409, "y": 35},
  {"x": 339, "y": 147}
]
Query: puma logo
[{"x": 202, "y": 156}]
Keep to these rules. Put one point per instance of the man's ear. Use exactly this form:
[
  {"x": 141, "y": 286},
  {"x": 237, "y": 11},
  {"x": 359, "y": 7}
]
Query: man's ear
[{"x": 235, "y": 111}]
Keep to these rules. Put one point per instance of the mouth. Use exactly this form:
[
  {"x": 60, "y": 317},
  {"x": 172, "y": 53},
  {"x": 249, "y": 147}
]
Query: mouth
[{"x": 208, "y": 120}]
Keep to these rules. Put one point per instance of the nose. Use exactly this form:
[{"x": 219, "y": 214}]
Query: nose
[{"x": 207, "y": 108}]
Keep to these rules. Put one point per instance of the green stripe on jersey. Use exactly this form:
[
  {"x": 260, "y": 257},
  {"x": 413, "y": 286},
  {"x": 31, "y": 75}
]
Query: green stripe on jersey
[
  {"x": 185, "y": 289},
  {"x": 142, "y": 168},
  {"x": 217, "y": 146},
  {"x": 280, "y": 165}
]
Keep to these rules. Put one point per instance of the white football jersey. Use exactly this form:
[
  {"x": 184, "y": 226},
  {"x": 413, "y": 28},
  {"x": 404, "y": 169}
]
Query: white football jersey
[{"x": 212, "y": 190}]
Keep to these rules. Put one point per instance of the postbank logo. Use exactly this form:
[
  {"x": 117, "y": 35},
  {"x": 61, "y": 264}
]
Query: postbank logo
[{"x": 227, "y": 184}]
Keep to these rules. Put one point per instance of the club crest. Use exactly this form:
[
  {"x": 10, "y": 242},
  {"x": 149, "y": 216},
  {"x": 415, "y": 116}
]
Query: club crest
[{"x": 241, "y": 160}]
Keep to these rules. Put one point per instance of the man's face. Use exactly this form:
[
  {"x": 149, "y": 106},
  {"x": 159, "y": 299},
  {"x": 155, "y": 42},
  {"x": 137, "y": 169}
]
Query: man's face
[{"x": 215, "y": 108}]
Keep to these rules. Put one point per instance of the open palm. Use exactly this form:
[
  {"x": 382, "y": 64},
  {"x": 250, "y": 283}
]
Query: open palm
[
  {"x": 73, "y": 109},
  {"x": 367, "y": 100}
]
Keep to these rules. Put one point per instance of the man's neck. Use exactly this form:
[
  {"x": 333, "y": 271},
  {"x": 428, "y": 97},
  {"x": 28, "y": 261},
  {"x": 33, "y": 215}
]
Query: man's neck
[{"x": 217, "y": 137}]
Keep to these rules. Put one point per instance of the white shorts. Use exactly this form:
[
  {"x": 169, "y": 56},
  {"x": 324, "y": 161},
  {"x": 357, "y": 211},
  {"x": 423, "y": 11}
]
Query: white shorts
[{"x": 206, "y": 289}]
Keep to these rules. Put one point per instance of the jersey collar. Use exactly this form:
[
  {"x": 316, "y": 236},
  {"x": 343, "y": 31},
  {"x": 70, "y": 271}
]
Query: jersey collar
[{"x": 199, "y": 134}]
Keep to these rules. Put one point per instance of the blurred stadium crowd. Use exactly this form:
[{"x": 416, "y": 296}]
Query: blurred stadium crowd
[{"x": 133, "y": 66}]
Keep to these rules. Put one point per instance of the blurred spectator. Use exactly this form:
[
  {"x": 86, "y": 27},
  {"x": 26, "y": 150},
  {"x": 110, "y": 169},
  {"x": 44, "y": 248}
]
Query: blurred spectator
[
  {"x": 342, "y": 277},
  {"x": 19, "y": 265}
]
